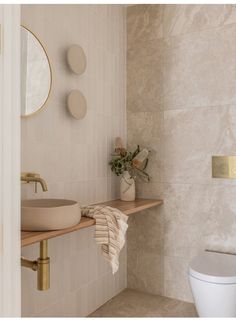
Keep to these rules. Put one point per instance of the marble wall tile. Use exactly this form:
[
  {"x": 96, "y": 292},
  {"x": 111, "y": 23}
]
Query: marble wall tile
[
  {"x": 145, "y": 76},
  {"x": 144, "y": 23},
  {"x": 145, "y": 271},
  {"x": 186, "y": 211},
  {"x": 219, "y": 229},
  {"x": 149, "y": 189},
  {"x": 185, "y": 18},
  {"x": 176, "y": 279},
  {"x": 187, "y": 58},
  {"x": 146, "y": 231},
  {"x": 198, "y": 91},
  {"x": 145, "y": 244},
  {"x": 145, "y": 129},
  {"x": 188, "y": 147}
]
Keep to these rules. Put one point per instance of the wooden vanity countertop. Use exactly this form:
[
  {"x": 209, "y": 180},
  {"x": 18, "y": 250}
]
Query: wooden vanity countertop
[{"x": 28, "y": 238}]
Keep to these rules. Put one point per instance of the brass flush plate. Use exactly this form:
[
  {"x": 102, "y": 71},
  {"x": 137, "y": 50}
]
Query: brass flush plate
[{"x": 224, "y": 166}]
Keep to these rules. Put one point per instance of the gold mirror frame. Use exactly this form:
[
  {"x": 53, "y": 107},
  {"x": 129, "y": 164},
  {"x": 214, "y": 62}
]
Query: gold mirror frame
[{"x": 50, "y": 68}]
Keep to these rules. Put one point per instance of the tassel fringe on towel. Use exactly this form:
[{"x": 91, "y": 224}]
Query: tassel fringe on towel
[{"x": 111, "y": 226}]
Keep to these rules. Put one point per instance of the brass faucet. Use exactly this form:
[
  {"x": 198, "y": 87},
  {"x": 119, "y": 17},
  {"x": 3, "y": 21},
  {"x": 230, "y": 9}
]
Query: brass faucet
[
  {"x": 42, "y": 264},
  {"x": 34, "y": 177}
]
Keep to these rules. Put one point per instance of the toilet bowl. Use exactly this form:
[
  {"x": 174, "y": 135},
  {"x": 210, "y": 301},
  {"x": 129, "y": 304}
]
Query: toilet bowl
[{"x": 213, "y": 282}]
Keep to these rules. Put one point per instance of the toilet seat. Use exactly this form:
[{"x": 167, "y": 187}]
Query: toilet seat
[{"x": 214, "y": 267}]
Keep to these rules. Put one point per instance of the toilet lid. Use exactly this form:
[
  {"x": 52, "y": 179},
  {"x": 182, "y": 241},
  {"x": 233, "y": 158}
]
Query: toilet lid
[{"x": 214, "y": 267}]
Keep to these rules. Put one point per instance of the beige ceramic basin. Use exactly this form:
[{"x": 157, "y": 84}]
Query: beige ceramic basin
[{"x": 49, "y": 214}]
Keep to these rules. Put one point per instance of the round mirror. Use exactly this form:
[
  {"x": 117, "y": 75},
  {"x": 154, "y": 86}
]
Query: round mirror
[{"x": 36, "y": 75}]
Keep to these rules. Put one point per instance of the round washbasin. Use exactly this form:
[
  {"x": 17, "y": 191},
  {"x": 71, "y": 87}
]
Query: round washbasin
[{"x": 49, "y": 214}]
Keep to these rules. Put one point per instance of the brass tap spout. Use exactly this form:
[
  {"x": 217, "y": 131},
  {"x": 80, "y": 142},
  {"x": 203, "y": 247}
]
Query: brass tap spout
[{"x": 33, "y": 177}]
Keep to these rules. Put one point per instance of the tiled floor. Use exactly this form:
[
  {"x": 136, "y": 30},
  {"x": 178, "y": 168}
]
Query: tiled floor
[{"x": 130, "y": 303}]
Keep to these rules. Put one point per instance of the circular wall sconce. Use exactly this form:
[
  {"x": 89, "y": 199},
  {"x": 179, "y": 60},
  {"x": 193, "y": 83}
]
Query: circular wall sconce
[
  {"x": 76, "y": 104},
  {"x": 76, "y": 59}
]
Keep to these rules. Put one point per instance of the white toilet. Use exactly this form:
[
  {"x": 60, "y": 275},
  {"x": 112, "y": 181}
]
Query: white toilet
[{"x": 213, "y": 281}]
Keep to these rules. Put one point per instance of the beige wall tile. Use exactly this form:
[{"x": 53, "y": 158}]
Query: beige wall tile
[
  {"x": 146, "y": 231},
  {"x": 72, "y": 156},
  {"x": 185, "y": 18},
  {"x": 220, "y": 224},
  {"x": 74, "y": 304},
  {"x": 144, "y": 22},
  {"x": 186, "y": 210},
  {"x": 145, "y": 76},
  {"x": 145, "y": 129},
  {"x": 191, "y": 137},
  {"x": 199, "y": 69},
  {"x": 145, "y": 271},
  {"x": 198, "y": 91},
  {"x": 56, "y": 309},
  {"x": 176, "y": 279}
]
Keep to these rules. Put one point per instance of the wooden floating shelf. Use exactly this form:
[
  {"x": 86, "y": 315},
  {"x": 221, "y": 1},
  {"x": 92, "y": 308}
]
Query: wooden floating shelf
[{"x": 28, "y": 237}]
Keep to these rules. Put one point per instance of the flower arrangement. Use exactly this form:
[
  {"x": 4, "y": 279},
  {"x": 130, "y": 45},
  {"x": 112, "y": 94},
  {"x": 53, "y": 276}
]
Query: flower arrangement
[{"x": 134, "y": 162}]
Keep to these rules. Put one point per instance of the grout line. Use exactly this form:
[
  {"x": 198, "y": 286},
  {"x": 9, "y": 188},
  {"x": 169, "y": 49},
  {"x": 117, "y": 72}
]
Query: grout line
[
  {"x": 181, "y": 34},
  {"x": 225, "y": 106},
  {"x": 216, "y": 28}
]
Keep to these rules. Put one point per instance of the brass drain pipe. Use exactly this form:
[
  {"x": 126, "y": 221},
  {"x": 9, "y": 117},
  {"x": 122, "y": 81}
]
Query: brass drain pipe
[{"x": 42, "y": 266}]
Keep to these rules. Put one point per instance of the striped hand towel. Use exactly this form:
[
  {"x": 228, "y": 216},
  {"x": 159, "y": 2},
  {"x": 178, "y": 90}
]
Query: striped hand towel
[{"x": 110, "y": 229}]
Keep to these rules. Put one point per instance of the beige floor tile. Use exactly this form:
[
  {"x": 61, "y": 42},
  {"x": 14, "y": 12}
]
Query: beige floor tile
[{"x": 131, "y": 303}]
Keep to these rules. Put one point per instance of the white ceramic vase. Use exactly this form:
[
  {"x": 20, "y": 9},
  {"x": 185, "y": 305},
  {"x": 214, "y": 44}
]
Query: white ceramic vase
[{"x": 127, "y": 187}]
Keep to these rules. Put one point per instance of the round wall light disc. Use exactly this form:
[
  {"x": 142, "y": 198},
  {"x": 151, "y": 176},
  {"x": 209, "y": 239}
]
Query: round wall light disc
[
  {"x": 76, "y": 104},
  {"x": 76, "y": 59}
]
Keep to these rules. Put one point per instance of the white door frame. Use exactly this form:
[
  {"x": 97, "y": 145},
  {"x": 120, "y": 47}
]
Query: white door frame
[{"x": 10, "y": 285}]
